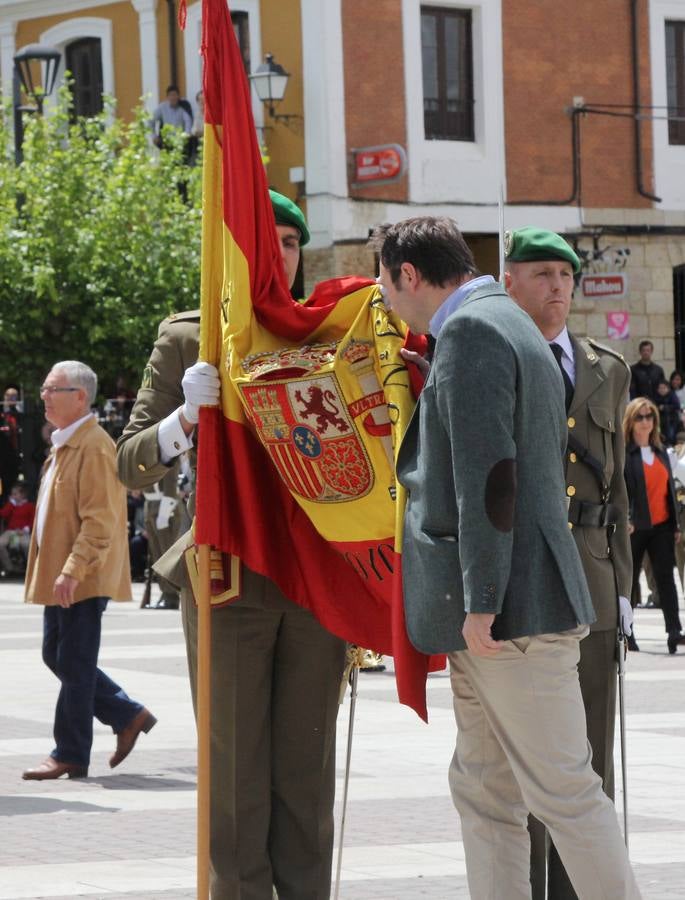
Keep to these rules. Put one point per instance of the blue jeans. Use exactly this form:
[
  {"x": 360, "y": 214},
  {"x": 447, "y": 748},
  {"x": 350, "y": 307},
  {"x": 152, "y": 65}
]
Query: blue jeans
[{"x": 71, "y": 643}]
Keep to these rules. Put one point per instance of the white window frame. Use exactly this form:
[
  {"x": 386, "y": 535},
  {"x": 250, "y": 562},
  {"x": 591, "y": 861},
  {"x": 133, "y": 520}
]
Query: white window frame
[
  {"x": 70, "y": 30},
  {"x": 193, "y": 61},
  {"x": 669, "y": 159},
  {"x": 465, "y": 171}
]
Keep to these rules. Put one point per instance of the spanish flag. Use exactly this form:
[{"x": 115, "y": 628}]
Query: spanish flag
[{"x": 296, "y": 468}]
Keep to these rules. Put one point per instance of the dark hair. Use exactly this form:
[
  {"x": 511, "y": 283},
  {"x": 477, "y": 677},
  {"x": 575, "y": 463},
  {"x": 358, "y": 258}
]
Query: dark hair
[
  {"x": 173, "y": 87},
  {"x": 20, "y": 486},
  {"x": 433, "y": 245},
  {"x": 644, "y": 344},
  {"x": 679, "y": 374}
]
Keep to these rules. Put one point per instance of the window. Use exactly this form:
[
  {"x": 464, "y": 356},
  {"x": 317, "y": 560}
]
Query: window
[
  {"x": 242, "y": 32},
  {"x": 84, "y": 61},
  {"x": 675, "y": 79},
  {"x": 447, "y": 61}
]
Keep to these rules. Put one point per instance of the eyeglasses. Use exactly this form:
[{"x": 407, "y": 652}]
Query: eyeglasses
[
  {"x": 48, "y": 389},
  {"x": 641, "y": 417}
]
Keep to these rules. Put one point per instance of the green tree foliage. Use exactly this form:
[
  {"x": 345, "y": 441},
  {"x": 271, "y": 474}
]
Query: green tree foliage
[{"x": 97, "y": 244}]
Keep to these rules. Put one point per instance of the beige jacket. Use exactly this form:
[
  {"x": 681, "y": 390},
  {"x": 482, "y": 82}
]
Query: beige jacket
[{"x": 85, "y": 531}]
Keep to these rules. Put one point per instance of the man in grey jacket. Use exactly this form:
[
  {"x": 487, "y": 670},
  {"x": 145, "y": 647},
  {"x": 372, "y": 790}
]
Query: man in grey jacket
[{"x": 491, "y": 572}]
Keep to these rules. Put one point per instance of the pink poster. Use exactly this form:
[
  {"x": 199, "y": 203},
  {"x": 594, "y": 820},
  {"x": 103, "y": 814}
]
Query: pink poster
[{"x": 618, "y": 325}]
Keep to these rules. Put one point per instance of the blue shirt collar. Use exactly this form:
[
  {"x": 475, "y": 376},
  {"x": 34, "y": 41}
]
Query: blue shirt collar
[{"x": 453, "y": 302}]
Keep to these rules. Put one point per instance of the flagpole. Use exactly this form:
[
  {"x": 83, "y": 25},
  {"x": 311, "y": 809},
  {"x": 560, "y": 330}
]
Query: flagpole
[{"x": 204, "y": 668}]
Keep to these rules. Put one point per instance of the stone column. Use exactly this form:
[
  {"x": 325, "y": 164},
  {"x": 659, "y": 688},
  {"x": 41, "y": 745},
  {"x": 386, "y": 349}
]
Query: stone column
[{"x": 149, "y": 59}]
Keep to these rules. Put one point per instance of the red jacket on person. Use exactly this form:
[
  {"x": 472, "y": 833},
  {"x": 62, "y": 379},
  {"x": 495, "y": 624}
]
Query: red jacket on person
[{"x": 17, "y": 517}]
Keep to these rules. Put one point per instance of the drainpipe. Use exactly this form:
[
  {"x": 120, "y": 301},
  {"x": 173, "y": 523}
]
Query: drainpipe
[{"x": 636, "y": 103}]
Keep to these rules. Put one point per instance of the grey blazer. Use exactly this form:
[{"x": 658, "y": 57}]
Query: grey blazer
[{"x": 485, "y": 527}]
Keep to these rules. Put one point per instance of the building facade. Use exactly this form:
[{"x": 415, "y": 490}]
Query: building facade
[{"x": 576, "y": 121}]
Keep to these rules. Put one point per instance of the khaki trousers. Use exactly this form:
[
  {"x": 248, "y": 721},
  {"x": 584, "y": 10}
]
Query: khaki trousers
[
  {"x": 522, "y": 746},
  {"x": 275, "y": 682},
  {"x": 597, "y": 673}
]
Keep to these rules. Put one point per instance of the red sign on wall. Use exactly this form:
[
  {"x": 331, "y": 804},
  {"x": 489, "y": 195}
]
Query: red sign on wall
[
  {"x": 377, "y": 165},
  {"x": 598, "y": 287}
]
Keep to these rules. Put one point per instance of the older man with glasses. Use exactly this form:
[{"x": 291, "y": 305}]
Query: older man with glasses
[{"x": 80, "y": 531}]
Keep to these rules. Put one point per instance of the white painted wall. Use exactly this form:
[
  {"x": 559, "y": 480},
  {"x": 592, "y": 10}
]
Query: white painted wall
[
  {"x": 324, "y": 118},
  {"x": 463, "y": 171},
  {"x": 669, "y": 159}
]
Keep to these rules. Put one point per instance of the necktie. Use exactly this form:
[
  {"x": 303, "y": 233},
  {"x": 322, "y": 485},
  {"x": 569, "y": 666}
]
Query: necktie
[{"x": 568, "y": 384}]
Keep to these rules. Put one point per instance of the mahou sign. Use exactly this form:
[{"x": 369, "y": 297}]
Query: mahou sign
[
  {"x": 606, "y": 285},
  {"x": 378, "y": 165}
]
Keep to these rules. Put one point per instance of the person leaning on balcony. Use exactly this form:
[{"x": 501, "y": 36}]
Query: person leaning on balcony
[{"x": 275, "y": 671}]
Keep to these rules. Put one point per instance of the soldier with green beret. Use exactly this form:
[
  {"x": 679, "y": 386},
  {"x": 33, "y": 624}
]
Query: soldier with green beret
[
  {"x": 539, "y": 275},
  {"x": 276, "y": 672}
]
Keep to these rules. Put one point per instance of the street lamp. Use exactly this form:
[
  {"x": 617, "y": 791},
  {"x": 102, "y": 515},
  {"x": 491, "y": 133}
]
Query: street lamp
[
  {"x": 49, "y": 57},
  {"x": 270, "y": 81},
  {"x": 24, "y": 60}
]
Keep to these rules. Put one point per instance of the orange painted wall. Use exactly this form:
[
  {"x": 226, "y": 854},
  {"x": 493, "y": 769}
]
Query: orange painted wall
[
  {"x": 375, "y": 108},
  {"x": 550, "y": 56},
  {"x": 281, "y": 34},
  {"x": 125, "y": 40}
]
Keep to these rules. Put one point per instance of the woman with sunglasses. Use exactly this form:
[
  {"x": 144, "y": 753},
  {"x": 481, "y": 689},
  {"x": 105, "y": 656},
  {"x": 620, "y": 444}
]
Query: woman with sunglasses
[{"x": 652, "y": 509}]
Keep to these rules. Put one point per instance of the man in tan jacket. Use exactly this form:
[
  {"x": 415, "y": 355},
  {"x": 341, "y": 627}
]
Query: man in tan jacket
[{"x": 78, "y": 560}]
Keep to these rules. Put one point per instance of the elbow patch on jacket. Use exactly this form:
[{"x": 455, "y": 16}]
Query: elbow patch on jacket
[{"x": 500, "y": 494}]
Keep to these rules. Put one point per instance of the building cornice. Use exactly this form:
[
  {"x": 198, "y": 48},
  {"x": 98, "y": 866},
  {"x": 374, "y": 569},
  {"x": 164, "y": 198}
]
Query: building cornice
[{"x": 20, "y": 10}]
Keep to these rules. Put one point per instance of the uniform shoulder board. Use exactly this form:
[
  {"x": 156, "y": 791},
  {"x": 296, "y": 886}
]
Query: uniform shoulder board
[
  {"x": 604, "y": 349},
  {"x": 189, "y": 315}
]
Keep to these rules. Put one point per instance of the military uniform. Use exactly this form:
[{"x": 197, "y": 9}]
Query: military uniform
[
  {"x": 594, "y": 420},
  {"x": 275, "y": 680}
]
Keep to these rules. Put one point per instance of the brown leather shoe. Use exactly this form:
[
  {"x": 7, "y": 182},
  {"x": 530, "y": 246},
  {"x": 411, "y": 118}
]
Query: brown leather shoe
[
  {"x": 127, "y": 738},
  {"x": 53, "y": 768}
]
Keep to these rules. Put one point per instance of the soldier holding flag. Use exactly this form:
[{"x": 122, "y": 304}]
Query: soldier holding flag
[{"x": 276, "y": 671}]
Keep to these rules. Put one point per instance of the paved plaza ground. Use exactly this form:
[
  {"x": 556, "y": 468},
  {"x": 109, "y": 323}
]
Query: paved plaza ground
[{"x": 129, "y": 834}]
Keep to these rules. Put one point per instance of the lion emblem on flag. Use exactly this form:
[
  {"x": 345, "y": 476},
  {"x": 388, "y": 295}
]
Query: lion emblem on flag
[{"x": 306, "y": 428}]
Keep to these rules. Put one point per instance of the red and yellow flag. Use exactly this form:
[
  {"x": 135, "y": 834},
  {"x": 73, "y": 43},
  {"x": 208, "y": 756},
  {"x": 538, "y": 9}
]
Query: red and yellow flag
[{"x": 296, "y": 469}]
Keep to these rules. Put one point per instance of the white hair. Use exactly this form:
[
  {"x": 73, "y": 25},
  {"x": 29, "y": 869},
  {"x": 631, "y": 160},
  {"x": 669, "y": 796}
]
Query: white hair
[{"x": 79, "y": 375}]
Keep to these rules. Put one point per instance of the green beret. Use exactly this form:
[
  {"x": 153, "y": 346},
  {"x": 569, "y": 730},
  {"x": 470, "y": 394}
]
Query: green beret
[
  {"x": 287, "y": 213},
  {"x": 532, "y": 244}
]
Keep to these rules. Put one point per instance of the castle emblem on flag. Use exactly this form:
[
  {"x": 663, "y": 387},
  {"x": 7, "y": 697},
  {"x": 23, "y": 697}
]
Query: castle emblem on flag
[{"x": 306, "y": 427}]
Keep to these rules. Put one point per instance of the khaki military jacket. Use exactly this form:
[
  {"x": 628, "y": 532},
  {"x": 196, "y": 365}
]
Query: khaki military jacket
[
  {"x": 139, "y": 465},
  {"x": 594, "y": 418},
  {"x": 160, "y": 394}
]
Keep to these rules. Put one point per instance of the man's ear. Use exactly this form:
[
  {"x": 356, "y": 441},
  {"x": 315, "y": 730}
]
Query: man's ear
[
  {"x": 507, "y": 281},
  {"x": 411, "y": 275}
]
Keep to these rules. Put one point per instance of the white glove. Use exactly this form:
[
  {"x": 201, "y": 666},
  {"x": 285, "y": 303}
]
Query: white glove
[
  {"x": 625, "y": 614},
  {"x": 201, "y": 387}
]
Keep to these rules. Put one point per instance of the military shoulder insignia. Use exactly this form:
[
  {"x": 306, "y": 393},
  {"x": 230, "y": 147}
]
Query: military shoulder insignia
[
  {"x": 147, "y": 377},
  {"x": 604, "y": 349},
  {"x": 187, "y": 315}
]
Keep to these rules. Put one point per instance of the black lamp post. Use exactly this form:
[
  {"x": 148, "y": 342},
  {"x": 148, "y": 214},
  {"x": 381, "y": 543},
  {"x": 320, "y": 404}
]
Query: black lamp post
[
  {"x": 270, "y": 81},
  {"x": 24, "y": 62}
]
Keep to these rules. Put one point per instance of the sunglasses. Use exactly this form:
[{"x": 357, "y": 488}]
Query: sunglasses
[{"x": 641, "y": 417}]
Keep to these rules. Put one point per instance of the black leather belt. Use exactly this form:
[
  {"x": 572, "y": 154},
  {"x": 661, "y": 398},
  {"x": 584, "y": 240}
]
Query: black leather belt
[{"x": 581, "y": 513}]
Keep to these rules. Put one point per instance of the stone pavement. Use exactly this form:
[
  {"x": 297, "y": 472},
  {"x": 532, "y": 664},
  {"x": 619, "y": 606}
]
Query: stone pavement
[{"x": 129, "y": 834}]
